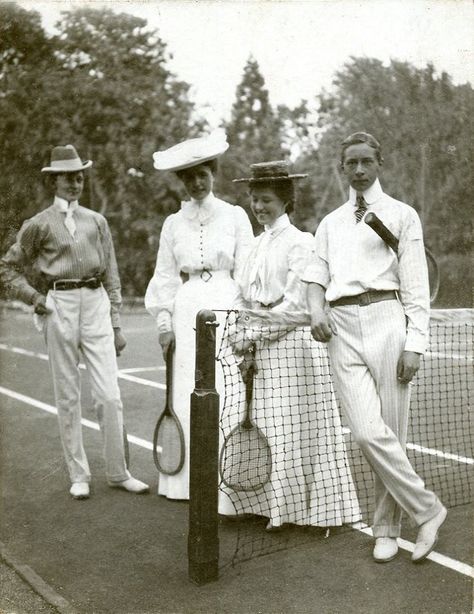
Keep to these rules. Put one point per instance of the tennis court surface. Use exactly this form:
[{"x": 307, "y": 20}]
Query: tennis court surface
[{"x": 128, "y": 554}]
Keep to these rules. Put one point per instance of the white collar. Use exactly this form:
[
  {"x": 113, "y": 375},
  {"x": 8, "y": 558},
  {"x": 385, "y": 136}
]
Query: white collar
[
  {"x": 201, "y": 210},
  {"x": 63, "y": 205},
  {"x": 278, "y": 225},
  {"x": 371, "y": 195}
]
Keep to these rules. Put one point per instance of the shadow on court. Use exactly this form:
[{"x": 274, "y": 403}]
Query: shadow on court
[{"x": 126, "y": 554}]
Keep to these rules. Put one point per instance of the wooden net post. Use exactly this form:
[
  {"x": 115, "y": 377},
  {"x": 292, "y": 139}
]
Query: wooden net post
[{"x": 203, "y": 539}]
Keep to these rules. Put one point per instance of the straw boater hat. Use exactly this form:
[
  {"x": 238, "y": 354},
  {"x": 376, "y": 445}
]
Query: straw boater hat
[
  {"x": 191, "y": 152},
  {"x": 65, "y": 159},
  {"x": 265, "y": 172}
]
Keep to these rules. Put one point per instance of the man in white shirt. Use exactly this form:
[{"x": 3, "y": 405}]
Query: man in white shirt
[{"x": 376, "y": 330}]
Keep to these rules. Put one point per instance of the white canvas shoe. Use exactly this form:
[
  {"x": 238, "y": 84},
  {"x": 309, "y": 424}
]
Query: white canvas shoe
[
  {"x": 428, "y": 536},
  {"x": 131, "y": 485},
  {"x": 386, "y": 549},
  {"x": 80, "y": 490}
]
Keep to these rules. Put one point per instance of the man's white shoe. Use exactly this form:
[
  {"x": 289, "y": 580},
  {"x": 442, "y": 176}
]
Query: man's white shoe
[
  {"x": 428, "y": 536},
  {"x": 80, "y": 490},
  {"x": 386, "y": 549},
  {"x": 131, "y": 485}
]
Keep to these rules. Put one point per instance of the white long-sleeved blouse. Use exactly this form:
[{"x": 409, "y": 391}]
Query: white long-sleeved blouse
[
  {"x": 271, "y": 276},
  {"x": 212, "y": 235}
]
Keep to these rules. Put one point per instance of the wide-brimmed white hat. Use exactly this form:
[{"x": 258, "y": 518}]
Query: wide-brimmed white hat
[
  {"x": 191, "y": 152},
  {"x": 65, "y": 159}
]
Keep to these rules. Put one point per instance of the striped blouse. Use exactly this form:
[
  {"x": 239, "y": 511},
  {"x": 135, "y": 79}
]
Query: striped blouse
[{"x": 45, "y": 251}]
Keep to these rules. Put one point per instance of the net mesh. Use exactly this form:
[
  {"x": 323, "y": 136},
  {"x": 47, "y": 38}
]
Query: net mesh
[{"x": 314, "y": 475}]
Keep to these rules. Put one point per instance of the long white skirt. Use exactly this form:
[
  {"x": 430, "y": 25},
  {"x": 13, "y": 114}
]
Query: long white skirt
[
  {"x": 295, "y": 408},
  {"x": 220, "y": 292}
]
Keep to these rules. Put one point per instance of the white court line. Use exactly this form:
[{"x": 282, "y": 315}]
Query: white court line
[
  {"x": 52, "y": 410},
  {"x": 436, "y": 557},
  {"x": 432, "y": 452},
  {"x": 122, "y": 374},
  {"x": 441, "y": 559},
  {"x": 125, "y": 375},
  {"x": 142, "y": 369}
]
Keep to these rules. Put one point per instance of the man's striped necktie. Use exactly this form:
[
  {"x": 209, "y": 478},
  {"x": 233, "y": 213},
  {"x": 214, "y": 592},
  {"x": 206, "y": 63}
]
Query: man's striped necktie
[{"x": 361, "y": 208}]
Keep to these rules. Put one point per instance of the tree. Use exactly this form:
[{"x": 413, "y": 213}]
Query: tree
[
  {"x": 424, "y": 124},
  {"x": 254, "y": 131},
  {"x": 105, "y": 87}
]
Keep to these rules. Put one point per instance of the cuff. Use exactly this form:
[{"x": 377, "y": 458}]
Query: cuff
[
  {"x": 163, "y": 321},
  {"x": 115, "y": 319},
  {"x": 416, "y": 342},
  {"x": 313, "y": 274}
]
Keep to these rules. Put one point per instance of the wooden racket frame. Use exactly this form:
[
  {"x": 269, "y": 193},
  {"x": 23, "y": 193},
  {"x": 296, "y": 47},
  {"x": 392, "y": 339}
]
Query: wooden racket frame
[
  {"x": 391, "y": 240},
  {"x": 168, "y": 412},
  {"x": 246, "y": 424}
]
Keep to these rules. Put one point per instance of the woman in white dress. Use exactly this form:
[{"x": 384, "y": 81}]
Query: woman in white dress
[
  {"x": 202, "y": 247},
  {"x": 293, "y": 399}
]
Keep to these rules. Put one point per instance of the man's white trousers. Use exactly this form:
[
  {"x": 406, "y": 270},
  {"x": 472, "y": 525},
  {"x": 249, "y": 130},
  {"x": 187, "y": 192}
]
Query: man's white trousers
[
  {"x": 364, "y": 354},
  {"x": 80, "y": 325}
]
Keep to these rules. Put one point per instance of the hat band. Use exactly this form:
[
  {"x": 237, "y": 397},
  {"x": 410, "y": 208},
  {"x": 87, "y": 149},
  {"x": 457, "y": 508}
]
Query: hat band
[
  {"x": 67, "y": 165},
  {"x": 263, "y": 173}
]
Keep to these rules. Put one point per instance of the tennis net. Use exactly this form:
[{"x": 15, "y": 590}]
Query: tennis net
[{"x": 294, "y": 469}]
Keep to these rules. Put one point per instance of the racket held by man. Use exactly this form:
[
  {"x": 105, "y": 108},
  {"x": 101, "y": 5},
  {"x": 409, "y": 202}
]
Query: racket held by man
[{"x": 391, "y": 240}]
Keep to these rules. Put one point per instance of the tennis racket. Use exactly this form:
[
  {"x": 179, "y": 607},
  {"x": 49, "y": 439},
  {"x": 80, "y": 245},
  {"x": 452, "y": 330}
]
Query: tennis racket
[
  {"x": 168, "y": 437},
  {"x": 384, "y": 233},
  {"x": 391, "y": 240},
  {"x": 245, "y": 459}
]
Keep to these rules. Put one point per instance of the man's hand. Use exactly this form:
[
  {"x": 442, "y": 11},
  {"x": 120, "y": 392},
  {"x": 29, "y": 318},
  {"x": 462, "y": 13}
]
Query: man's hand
[
  {"x": 39, "y": 303},
  {"x": 167, "y": 341},
  {"x": 408, "y": 364},
  {"x": 119, "y": 341},
  {"x": 321, "y": 327}
]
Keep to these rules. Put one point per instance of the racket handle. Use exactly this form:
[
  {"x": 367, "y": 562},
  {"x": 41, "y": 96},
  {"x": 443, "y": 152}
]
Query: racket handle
[{"x": 384, "y": 233}]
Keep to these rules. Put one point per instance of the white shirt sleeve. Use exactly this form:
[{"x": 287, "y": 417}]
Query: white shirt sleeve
[
  {"x": 414, "y": 283},
  {"x": 166, "y": 280},
  {"x": 317, "y": 270},
  {"x": 243, "y": 241},
  {"x": 299, "y": 258}
]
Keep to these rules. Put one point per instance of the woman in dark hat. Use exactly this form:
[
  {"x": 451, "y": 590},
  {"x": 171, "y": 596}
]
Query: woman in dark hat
[
  {"x": 294, "y": 404},
  {"x": 202, "y": 248}
]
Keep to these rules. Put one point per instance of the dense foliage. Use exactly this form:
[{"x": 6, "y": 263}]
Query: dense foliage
[{"x": 103, "y": 84}]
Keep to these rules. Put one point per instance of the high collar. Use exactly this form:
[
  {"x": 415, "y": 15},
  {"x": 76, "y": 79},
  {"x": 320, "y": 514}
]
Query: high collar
[
  {"x": 371, "y": 195},
  {"x": 63, "y": 205},
  {"x": 200, "y": 210},
  {"x": 278, "y": 225}
]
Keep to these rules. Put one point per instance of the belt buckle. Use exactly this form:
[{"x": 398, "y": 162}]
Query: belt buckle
[
  {"x": 365, "y": 299},
  {"x": 205, "y": 275}
]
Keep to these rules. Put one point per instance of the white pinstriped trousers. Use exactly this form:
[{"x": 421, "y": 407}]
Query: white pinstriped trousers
[
  {"x": 364, "y": 356},
  {"x": 80, "y": 323}
]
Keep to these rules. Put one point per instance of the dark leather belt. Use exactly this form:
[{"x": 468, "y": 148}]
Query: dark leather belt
[
  {"x": 73, "y": 284},
  {"x": 372, "y": 296}
]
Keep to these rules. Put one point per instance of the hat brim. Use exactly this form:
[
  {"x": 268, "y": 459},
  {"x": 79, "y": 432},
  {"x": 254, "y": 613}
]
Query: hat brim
[
  {"x": 57, "y": 170},
  {"x": 268, "y": 179},
  {"x": 189, "y": 162}
]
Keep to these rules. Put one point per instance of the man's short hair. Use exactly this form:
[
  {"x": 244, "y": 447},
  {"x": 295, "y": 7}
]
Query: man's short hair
[{"x": 361, "y": 137}]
